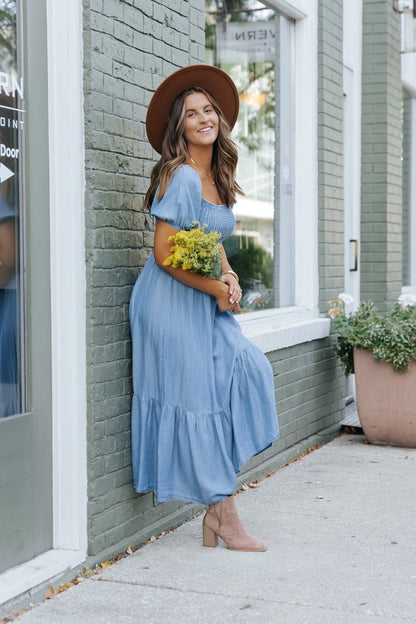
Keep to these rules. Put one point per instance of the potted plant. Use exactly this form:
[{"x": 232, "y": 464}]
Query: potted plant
[{"x": 381, "y": 350}]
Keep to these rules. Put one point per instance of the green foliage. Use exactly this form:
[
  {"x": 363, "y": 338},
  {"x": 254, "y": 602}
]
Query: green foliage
[
  {"x": 390, "y": 337},
  {"x": 252, "y": 262},
  {"x": 8, "y": 27}
]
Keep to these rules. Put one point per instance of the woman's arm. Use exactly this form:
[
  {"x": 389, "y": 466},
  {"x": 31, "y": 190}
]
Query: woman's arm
[{"x": 216, "y": 288}]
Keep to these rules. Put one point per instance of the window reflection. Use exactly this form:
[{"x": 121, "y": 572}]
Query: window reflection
[
  {"x": 11, "y": 126},
  {"x": 251, "y": 42}
]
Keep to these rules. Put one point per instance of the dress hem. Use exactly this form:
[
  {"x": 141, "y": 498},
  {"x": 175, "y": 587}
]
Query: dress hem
[
  {"x": 262, "y": 448},
  {"x": 174, "y": 496}
]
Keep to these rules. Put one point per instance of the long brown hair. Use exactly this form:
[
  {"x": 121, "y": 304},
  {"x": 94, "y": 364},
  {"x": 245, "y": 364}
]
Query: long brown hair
[{"x": 175, "y": 153}]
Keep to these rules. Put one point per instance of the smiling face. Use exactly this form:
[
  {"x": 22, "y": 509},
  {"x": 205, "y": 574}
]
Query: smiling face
[{"x": 201, "y": 121}]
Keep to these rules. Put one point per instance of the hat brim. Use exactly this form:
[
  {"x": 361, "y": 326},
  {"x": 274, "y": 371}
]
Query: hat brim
[{"x": 212, "y": 79}]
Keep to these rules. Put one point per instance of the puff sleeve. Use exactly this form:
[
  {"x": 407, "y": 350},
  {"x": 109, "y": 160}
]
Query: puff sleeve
[{"x": 181, "y": 204}]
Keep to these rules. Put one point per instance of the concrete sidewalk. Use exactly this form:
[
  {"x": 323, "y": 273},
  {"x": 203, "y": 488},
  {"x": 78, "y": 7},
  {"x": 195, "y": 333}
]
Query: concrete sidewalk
[{"x": 340, "y": 527}]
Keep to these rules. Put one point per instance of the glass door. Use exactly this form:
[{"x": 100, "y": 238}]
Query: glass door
[{"x": 25, "y": 375}]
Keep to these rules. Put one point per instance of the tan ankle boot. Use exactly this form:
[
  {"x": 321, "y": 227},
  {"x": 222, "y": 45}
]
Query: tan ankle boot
[{"x": 222, "y": 520}]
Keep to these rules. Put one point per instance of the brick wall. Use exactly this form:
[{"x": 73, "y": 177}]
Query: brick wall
[
  {"x": 330, "y": 196},
  {"x": 129, "y": 46},
  {"x": 330, "y": 151},
  {"x": 381, "y": 207}
]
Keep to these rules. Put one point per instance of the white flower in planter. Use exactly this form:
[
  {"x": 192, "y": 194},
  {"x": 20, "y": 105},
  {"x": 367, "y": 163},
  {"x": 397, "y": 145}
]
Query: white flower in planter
[
  {"x": 346, "y": 298},
  {"x": 407, "y": 300},
  {"x": 337, "y": 306}
]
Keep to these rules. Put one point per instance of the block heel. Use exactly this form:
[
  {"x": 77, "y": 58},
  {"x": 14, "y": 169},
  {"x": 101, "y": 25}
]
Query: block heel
[{"x": 210, "y": 538}]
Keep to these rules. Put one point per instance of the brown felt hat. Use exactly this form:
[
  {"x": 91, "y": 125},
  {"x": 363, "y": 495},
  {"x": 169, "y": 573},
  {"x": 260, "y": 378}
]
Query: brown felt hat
[{"x": 215, "y": 81}]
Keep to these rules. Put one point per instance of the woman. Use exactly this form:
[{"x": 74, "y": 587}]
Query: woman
[{"x": 203, "y": 394}]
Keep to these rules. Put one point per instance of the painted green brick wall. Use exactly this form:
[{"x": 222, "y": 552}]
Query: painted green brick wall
[
  {"x": 330, "y": 187},
  {"x": 129, "y": 46},
  {"x": 330, "y": 151},
  {"x": 381, "y": 207}
]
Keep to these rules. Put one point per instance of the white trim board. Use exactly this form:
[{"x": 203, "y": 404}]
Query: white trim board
[
  {"x": 278, "y": 329},
  {"x": 67, "y": 231},
  {"x": 295, "y": 9},
  {"x": 306, "y": 161},
  {"x": 413, "y": 197}
]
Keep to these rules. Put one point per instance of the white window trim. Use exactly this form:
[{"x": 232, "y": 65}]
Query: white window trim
[
  {"x": 409, "y": 83},
  {"x": 68, "y": 284},
  {"x": 26, "y": 576},
  {"x": 412, "y": 199},
  {"x": 277, "y": 329},
  {"x": 68, "y": 301},
  {"x": 290, "y": 8},
  {"x": 286, "y": 327}
]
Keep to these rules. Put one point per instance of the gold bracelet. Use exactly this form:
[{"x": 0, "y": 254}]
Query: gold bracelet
[{"x": 233, "y": 273}]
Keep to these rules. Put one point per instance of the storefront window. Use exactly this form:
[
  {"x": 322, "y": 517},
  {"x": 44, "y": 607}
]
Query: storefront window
[
  {"x": 253, "y": 44},
  {"x": 11, "y": 146}
]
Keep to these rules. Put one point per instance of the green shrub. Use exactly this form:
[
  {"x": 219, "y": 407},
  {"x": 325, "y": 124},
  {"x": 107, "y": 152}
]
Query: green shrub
[
  {"x": 391, "y": 337},
  {"x": 251, "y": 262}
]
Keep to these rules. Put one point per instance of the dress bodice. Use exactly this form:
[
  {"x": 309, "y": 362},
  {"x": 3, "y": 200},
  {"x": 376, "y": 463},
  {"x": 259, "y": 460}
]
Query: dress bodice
[
  {"x": 219, "y": 218},
  {"x": 183, "y": 204}
]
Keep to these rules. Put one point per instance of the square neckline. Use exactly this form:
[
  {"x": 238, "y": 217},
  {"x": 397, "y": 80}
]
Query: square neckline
[{"x": 202, "y": 197}]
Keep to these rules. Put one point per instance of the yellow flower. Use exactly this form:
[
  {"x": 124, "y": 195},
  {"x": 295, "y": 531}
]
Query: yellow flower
[{"x": 196, "y": 250}]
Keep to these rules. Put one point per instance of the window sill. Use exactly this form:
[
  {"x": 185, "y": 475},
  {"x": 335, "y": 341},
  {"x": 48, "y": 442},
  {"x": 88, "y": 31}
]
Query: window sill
[
  {"x": 42, "y": 568},
  {"x": 277, "y": 329}
]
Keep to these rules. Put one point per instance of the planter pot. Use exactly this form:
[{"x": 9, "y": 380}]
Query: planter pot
[{"x": 386, "y": 400}]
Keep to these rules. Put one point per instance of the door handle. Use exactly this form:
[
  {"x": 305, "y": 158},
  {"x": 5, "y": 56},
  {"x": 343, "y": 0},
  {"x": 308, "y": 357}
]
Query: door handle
[{"x": 355, "y": 242}]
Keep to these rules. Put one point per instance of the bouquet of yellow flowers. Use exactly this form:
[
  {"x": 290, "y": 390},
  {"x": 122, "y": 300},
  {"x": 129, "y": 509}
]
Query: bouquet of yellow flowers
[{"x": 196, "y": 250}]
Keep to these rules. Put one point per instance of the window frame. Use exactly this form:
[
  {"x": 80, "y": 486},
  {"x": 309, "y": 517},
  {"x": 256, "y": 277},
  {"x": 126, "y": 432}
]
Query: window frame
[
  {"x": 284, "y": 327},
  {"x": 411, "y": 288},
  {"x": 409, "y": 85}
]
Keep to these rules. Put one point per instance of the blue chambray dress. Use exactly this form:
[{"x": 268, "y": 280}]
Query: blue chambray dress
[{"x": 203, "y": 399}]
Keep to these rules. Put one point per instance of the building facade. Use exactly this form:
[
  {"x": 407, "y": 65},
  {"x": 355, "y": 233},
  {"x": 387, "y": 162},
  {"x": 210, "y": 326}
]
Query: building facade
[{"x": 327, "y": 136}]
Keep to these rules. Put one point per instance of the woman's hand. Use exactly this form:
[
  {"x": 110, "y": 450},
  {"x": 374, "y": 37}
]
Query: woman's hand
[
  {"x": 227, "y": 302},
  {"x": 234, "y": 290}
]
